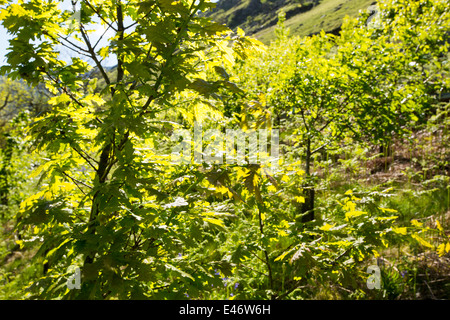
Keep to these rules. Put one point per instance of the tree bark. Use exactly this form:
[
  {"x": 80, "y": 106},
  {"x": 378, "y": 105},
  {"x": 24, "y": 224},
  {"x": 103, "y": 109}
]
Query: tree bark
[
  {"x": 102, "y": 173},
  {"x": 307, "y": 208}
]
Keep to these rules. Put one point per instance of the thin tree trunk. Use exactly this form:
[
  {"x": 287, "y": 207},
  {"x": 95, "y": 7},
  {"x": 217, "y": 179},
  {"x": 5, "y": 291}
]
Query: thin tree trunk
[
  {"x": 308, "y": 191},
  {"x": 101, "y": 175}
]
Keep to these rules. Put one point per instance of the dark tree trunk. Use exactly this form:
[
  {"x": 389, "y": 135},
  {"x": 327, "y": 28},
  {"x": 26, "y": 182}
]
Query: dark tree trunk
[{"x": 308, "y": 190}]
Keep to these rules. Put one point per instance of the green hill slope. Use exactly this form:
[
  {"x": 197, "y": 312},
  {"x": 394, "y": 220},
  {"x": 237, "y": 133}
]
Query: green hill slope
[{"x": 304, "y": 17}]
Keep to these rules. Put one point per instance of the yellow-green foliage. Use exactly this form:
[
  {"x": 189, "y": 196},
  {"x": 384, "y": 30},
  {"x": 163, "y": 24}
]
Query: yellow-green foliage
[{"x": 107, "y": 198}]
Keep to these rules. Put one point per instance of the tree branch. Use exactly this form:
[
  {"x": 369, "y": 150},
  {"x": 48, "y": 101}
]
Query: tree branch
[
  {"x": 99, "y": 15},
  {"x": 120, "y": 33},
  {"x": 101, "y": 37},
  {"x": 6, "y": 102},
  {"x": 94, "y": 57},
  {"x": 77, "y": 182}
]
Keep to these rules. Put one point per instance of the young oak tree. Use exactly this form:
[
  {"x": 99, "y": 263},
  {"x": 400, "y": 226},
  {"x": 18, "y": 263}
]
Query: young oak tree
[{"x": 109, "y": 202}]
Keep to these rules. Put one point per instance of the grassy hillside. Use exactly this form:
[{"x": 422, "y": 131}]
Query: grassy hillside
[{"x": 303, "y": 17}]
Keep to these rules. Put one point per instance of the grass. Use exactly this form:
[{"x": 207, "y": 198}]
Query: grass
[
  {"x": 259, "y": 19},
  {"x": 16, "y": 271},
  {"x": 327, "y": 16}
]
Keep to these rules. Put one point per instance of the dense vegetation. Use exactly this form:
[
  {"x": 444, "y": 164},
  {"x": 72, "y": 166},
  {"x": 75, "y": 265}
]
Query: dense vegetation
[{"x": 89, "y": 178}]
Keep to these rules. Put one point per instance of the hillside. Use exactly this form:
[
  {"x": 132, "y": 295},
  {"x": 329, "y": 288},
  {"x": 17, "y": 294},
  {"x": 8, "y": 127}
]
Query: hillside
[{"x": 303, "y": 17}]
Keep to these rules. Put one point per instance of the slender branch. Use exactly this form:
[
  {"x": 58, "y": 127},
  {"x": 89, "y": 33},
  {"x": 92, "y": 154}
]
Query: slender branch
[
  {"x": 71, "y": 43},
  {"x": 101, "y": 37},
  {"x": 94, "y": 57},
  {"x": 247, "y": 267},
  {"x": 77, "y": 49},
  {"x": 341, "y": 131},
  {"x": 74, "y": 50},
  {"x": 302, "y": 113},
  {"x": 86, "y": 157},
  {"x": 64, "y": 89},
  {"x": 144, "y": 17},
  {"x": 120, "y": 33},
  {"x": 337, "y": 113},
  {"x": 99, "y": 15},
  {"x": 256, "y": 256},
  {"x": 6, "y": 102},
  {"x": 123, "y": 141},
  {"x": 77, "y": 182},
  {"x": 320, "y": 148},
  {"x": 431, "y": 291},
  {"x": 280, "y": 297},
  {"x": 340, "y": 256},
  {"x": 80, "y": 152}
]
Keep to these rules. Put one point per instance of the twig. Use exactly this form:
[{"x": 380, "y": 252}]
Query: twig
[
  {"x": 262, "y": 273},
  {"x": 64, "y": 89},
  {"x": 431, "y": 291},
  {"x": 99, "y": 15},
  {"x": 76, "y": 180},
  {"x": 86, "y": 157},
  {"x": 94, "y": 57},
  {"x": 6, "y": 102},
  {"x": 71, "y": 43},
  {"x": 101, "y": 37}
]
